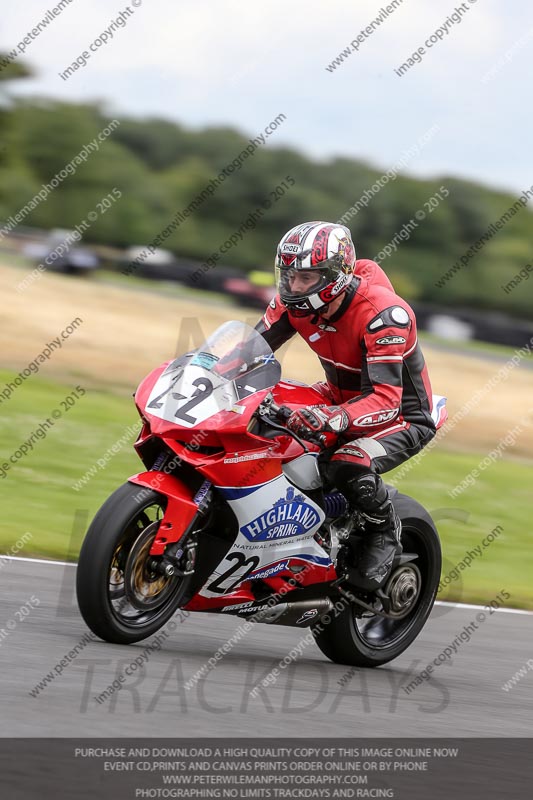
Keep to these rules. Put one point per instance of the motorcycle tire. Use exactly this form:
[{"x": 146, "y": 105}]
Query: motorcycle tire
[
  {"x": 120, "y": 598},
  {"x": 364, "y": 640}
]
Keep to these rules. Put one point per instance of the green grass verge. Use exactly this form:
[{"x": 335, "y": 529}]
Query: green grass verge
[
  {"x": 38, "y": 497},
  {"x": 37, "y": 493},
  {"x": 499, "y": 502}
]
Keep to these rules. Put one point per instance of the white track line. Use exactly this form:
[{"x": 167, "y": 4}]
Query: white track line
[
  {"x": 437, "y": 602},
  {"x": 40, "y": 561},
  {"x": 469, "y": 605}
]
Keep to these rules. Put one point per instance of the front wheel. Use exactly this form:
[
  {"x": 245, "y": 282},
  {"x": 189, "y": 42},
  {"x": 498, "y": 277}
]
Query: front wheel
[
  {"x": 364, "y": 639},
  {"x": 121, "y": 596}
]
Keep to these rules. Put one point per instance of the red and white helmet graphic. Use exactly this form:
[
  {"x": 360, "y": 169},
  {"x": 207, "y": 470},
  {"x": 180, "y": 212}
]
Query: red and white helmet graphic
[{"x": 314, "y": 264}]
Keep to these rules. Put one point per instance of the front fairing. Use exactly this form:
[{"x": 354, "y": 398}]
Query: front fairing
[
  {"x": 214, "y": 388},
  {"x": 233, "y": 420}
]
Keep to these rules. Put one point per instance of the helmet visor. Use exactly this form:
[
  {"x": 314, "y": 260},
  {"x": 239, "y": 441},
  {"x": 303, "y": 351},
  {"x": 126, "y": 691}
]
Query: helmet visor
[{"x": 297, "y": 283}]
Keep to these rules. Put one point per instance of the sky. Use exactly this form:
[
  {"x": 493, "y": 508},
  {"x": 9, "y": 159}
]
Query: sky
[{"x": 229, "y": 63}]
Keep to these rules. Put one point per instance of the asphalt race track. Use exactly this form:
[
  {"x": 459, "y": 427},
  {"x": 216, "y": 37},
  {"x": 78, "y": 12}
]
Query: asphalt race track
[{"x": 40, "y": 624}]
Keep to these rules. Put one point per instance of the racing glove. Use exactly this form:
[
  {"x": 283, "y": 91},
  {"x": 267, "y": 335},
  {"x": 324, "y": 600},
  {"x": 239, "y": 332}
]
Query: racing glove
[
  {"x": 232, "y": 364},
  {"x": 318, "y": 419}
]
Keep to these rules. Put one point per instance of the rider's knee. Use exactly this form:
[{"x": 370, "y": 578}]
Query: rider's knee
[{"x": 367, "y": 490}]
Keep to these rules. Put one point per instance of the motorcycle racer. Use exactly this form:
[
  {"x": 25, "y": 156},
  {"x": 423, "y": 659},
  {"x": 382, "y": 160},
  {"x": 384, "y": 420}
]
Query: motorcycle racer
[{"x": 377, "y": 393}]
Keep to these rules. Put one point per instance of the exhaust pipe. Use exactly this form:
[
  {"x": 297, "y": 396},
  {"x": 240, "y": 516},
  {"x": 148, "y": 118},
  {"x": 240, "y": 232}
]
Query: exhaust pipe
[{"x": 301, "y": 614}]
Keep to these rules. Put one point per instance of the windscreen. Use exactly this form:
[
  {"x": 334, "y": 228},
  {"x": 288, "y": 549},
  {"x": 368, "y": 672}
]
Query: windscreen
[{"x": 234, "y": 363}]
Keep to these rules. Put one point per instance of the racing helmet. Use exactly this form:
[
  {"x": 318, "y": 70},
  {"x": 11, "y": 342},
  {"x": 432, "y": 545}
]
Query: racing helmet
[{"x": 314, "y": 264}]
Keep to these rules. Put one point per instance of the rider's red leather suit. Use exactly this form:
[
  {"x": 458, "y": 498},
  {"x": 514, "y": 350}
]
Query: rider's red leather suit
[{"x": 369, "y": 351}]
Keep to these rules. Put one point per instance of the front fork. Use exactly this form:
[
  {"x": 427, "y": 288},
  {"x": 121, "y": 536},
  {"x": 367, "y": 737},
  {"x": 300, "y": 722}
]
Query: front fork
[{"x": 173, "y": 551}]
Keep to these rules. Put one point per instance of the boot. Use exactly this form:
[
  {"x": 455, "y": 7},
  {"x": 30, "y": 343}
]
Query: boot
[{"x": 381, "y": 544}]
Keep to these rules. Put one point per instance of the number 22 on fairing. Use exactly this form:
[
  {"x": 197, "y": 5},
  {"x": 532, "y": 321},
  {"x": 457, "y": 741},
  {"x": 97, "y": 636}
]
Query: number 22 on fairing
[{"x": 195, "y": 390}]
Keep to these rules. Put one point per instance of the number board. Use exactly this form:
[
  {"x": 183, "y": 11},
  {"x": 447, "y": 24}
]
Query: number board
[{"x": 190, "y": 396}]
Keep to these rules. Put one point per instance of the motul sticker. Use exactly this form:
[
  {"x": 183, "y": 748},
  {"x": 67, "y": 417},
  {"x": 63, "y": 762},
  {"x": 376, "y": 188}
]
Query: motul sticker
[
  {"x": 377, "y": 418},
  {"x": 391, "y": 340},
  {"x": 247, "y": 608}
]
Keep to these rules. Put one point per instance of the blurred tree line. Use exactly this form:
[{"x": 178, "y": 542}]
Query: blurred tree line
[{"x": 160, "y": 167}]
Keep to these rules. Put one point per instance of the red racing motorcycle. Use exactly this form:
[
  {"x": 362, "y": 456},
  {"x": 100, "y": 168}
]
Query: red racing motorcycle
[{"x": 232, "y": 516}]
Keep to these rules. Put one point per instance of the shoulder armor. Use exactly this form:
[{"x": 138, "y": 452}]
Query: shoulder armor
[{"x": 392, "y": 317}]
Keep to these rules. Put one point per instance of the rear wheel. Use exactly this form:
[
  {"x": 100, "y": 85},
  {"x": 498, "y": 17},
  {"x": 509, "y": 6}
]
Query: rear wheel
[
  {"x": 365, "y": 639},
  {"x": 121, "y": 595}
]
